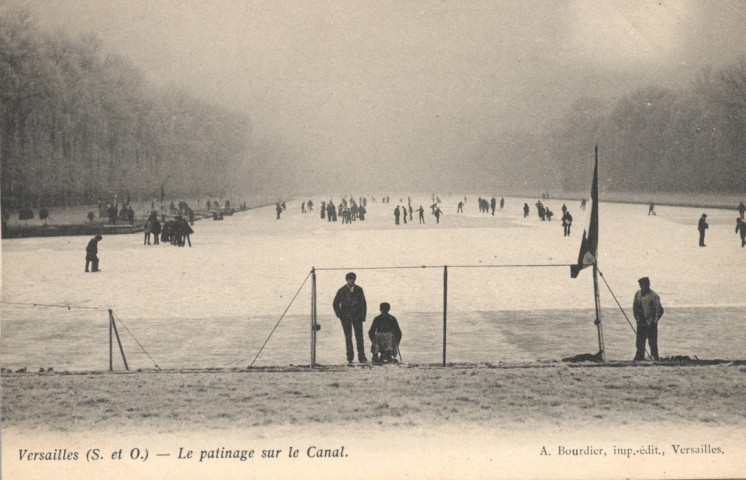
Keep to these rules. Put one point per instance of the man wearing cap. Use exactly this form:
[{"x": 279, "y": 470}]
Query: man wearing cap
[
  {"x": 350, "y": 307},
  {"x": 702, "y": 226},
  {"x": 91, "y": 253},
  {"x": 648, "y": 311}
]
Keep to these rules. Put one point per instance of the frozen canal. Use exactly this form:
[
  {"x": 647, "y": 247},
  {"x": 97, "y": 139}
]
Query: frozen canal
[{"x": 213, "y": 305}]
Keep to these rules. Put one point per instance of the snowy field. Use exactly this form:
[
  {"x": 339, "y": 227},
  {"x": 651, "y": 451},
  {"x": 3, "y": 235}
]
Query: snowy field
[{"x": 214, "y": 304}]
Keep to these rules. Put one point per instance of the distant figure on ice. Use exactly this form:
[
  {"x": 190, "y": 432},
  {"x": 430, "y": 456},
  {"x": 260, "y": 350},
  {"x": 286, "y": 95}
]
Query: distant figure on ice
[
  {"x": 396, "y": 215},
  {"x": 651, "y": 209},
  {"x": 582, "y": 204},
  {"x": 421, "y": 211},
  {"x": 404, "y": 211},
  {"x": 91, "y": 253},
  {"x": 540, "y": 210},
  {"x": 525, "y": 210},
  {"x": 460, "y": 208},
  {"x": 502, "y": 202},
  {"x": 438, "y": 212},
  {"x": 493, "y": 205},
  {"x": 702, "y": 226},
  {"x": 323, "y": 209},
  {"x": 303, "y": 207},
  {"x": 278, "y": 208},
  {"x": 648, "y": 311},
  {"x": 156, "y": 230},
  {"x": 350, "y": 307},
  {"x": 385, "y": 336},
  {"x": 548, "y": 213},
  {"x": 410, "y": 212},
  {"x": 741, "y": 228},
  {"x": 148, "y": 229},
  {"x": 567, "y": 223},
  {"x": 741, "y": 208},
  {"x": 184, "y": 232}
]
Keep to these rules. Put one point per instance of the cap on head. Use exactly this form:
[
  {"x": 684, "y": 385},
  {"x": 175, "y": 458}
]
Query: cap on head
[
  {"x": 351, "y": 275},
  {"x": 704, "y": 214},
  {"x": 99, "y": 237},
  {"x": 644, "y": 281},
  {"x": 385, "y": 307}
]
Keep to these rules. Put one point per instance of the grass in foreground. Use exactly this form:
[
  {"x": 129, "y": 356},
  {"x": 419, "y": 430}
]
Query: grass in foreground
[{"x": 539, "y": 395}]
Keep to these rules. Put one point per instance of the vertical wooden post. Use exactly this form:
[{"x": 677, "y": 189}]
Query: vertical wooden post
[
  {"x": 116, "y": 332},
  {"x": 111, "y": 345},
  {"x": 597, "y": 296},
  {"x": 445, "y": 309},
  {"x": 313, "y": 317}
]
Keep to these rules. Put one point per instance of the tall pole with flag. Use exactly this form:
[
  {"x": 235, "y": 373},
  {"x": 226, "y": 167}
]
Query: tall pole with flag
[{"x": 588, "y": 255}]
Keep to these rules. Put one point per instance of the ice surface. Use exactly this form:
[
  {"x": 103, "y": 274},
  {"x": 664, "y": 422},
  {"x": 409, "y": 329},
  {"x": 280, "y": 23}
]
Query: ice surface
[{"x": 215, "y": 303}]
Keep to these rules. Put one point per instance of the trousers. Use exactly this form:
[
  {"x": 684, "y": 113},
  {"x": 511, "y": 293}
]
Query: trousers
[
  {"x": 649, "y": 333},
  {"x": 350, "y": 324}
]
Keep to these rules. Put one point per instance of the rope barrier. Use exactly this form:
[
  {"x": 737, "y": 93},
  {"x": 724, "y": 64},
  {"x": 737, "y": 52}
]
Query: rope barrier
[
  {"x": 69, "y": 307},
  {"x": 507, "y": 265},
  {"x": 281, "y": 317},
  {"x": 136, "y": 341}
]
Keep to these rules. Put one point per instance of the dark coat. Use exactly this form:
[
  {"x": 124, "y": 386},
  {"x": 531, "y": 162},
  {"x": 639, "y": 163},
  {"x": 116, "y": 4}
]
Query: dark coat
[
  {"x": 91, "y": 249},
  {"x": 385, "y": 323},
  {"x": 350, "y": 303},
  {"x": 702, "y": 225}
]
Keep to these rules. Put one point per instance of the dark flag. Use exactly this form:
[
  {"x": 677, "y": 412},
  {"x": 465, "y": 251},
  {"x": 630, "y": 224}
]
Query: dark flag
[{"x": 589, "y": 243}]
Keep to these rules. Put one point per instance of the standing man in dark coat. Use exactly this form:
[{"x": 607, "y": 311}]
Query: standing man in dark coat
[
  {"x": 350, "y": 307},
  {"x": 741, "y": 209},
  {"x": 702, "y": 226},
  {"x": 567, "y": 223},
  {"x": 648, "y": 311},
  {"x": 91, "y": 253},
  {"x": 396, "y": 215}
]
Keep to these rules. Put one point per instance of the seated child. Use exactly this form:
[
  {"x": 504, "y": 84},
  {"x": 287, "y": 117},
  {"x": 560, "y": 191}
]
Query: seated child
[{"x": 385, "y": 336}]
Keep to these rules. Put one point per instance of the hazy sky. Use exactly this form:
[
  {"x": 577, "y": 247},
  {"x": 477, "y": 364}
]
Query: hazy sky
[{"x": 405, "y": 85}]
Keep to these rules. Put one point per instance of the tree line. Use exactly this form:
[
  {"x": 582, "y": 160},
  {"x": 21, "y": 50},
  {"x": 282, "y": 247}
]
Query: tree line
[
  {"x": 659, "y": 139},
  {"x": 80, "y": 124}
]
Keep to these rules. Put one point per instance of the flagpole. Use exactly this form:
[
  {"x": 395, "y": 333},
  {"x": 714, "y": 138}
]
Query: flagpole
[
  {"x": 596, "y": 293},
  {"x": 598, "y": 323}
]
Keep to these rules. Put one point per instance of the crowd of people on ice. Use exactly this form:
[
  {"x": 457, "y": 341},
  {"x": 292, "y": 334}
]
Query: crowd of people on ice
[{"x": 350, "y": 210}]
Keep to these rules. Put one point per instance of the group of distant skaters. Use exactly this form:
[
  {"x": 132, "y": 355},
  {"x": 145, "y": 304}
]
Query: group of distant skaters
[
  {"x": 703, "y": 226},
  {"x": 545, "y": 214},
  {"x": 484, "y": 205},
  {"x": 176, "y": 232}
]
